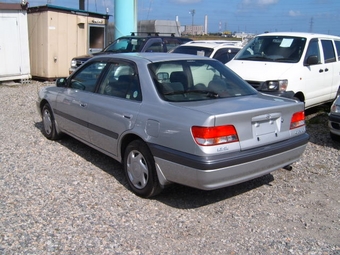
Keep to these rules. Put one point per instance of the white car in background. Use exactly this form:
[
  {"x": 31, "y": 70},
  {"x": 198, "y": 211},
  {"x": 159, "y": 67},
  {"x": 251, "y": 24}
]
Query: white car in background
[
  {"x": 303, "y": 66},
  {"x": 221, "y": 50}
]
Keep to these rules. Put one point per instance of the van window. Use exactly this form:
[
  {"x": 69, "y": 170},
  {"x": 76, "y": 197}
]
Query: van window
[
  {"x": 337, "y": 45},
  {"x": 313, "y": 49},
  {"x": 328, "y": 51}
]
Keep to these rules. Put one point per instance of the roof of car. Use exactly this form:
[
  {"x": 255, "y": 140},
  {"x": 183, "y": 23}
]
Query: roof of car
[
  {"x": 153, "y": 36},
  {"x": 299, "y": 34},
  {"x": 151, "y": 56}
]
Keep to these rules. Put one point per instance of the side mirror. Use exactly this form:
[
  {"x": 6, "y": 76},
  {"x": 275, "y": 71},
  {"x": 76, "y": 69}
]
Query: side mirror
[
  {"x": 61, "y": 82},
  {"x": 312, "y": 60}
]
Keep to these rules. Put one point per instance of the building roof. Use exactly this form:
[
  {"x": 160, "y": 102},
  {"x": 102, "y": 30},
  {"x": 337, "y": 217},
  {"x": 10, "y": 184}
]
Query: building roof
[
  {"x": 50, "y": 7},
  {"x": 13, "y": 6}
]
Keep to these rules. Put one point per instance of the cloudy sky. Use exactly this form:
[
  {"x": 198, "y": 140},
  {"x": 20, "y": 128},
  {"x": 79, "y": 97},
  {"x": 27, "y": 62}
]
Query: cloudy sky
[{"x": 251, "y": 16}]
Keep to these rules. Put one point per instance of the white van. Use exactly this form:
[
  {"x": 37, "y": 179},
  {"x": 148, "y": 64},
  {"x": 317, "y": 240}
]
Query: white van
[{"x": 303, "y": 66}]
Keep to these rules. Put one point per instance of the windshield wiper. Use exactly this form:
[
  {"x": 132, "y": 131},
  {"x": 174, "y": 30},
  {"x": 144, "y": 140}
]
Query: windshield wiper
[
  {"x": 257, "y": 57},
  {"x": 289, "y": 60}
]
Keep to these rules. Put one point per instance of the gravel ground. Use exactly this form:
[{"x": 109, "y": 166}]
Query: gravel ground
[{"x": 66, "y": 198}]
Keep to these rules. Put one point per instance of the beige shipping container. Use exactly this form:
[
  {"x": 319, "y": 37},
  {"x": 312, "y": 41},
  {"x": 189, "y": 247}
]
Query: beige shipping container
[{"x": 57, "y": 34}]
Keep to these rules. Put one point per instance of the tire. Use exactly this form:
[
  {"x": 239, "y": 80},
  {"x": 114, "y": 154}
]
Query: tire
[
  {"x": 334, "y": 137},
  {"x": 140, "y": 170},
  {"x": 49, "y": 127}
]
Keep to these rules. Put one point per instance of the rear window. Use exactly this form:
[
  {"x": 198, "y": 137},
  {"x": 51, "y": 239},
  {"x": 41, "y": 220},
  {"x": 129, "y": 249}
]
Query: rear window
[
  {"x": 194, "y": 80},
  {"x": 194, "y": 50}
]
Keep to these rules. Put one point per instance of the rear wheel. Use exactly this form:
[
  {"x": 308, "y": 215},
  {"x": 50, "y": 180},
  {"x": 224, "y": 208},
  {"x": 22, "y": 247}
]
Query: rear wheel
[
  {"x": 140, "y": 170},
  {"x": 49, "y": 127}
]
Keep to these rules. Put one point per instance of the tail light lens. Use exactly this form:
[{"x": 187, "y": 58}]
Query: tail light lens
[
  {"x": 208, "y": 136},
  {"x": 298, "y": 120}
]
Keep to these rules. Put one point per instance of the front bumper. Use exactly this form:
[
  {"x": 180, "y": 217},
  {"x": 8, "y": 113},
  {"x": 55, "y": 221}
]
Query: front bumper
[
  {"x": 334, "y": 124},
  {"x": 220, "y": 171}
]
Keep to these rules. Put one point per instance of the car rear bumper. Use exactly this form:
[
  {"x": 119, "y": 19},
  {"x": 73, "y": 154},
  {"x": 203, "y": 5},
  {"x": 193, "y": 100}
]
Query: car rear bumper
[{"x": 215, "y": 172}]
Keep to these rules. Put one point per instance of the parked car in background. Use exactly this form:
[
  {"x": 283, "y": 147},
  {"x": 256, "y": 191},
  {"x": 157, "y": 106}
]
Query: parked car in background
[
  {"x": 223, "y": 51},
  {"x": 303, "y": 66},
  {"x": 334, "y": 119},
  {"x": 174, "y": 118},
  {"x": 134, "y": 43}
]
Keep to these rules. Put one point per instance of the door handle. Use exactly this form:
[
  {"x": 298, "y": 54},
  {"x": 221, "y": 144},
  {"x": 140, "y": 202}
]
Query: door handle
[
  {"x": 127, "y": 116},
  {"x": 321, "y": 71},
  {"x": 326, "y": 70}
]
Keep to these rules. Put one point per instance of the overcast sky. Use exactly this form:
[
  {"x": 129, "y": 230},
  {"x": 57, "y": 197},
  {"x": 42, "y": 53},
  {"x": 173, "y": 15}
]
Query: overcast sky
[{"x": 251, "y": 16}]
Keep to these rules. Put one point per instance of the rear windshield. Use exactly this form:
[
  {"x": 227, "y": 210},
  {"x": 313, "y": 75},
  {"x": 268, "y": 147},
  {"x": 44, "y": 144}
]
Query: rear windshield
[
  {"x": 194, "y": 50},
  {"x": 273, "y": 48},
  {"x": 194, "y": 80}
]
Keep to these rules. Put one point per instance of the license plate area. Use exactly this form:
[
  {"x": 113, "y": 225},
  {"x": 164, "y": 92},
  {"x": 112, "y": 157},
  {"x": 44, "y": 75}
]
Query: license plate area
[{"x": 266, "y": 126}]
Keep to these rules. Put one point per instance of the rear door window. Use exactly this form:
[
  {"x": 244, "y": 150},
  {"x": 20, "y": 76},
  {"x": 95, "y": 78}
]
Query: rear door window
[
  {"x": 328, "y": 51},
  {"x": 171, "y": 43}
]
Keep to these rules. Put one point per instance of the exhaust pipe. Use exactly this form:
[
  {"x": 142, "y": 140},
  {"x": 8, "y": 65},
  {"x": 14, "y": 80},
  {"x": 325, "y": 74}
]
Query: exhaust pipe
[{"x": 288, "y": 168}]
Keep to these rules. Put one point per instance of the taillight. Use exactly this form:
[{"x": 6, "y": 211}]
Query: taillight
[
  {"x": 208, "y": 136},
  {"x": 298, "y": 120}
]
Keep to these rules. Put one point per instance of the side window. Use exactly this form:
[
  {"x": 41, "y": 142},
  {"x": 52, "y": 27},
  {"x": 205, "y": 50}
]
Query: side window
[
  {"x": 225, "y": 55},
  {"x": 155, "y": 47},
  {"x": 121, "y": 81},
  {"x": 313, "y": 49},
  {"x": 171, "y": 43},
  {"x": 86, "y": 79},
  {"x": 337, "y": 45},
  {"x": 328, "y": 51}
]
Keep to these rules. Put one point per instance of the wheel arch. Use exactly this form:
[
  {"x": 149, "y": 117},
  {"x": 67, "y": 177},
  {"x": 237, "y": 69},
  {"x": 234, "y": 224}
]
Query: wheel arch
[
  {"x": 128, "y": 138},
  {"x": 300, "y": 96},
  {"x": 42, "y": 103}
]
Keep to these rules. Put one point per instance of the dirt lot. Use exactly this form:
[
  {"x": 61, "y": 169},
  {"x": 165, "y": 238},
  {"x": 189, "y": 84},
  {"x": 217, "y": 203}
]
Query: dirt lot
[{"x": 66, "y": 198}]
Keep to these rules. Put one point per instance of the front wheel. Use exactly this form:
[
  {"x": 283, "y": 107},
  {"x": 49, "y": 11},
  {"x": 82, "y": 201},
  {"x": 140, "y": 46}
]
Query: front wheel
[
  {"x": 140, "y": 170},
  {"x": 334, "y": 137},
  {"x": 49, "y": 127}
]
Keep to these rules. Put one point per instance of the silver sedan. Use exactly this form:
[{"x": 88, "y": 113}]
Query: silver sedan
[{"x": 173, "y": 118}]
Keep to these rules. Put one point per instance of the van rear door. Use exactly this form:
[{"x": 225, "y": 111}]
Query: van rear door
[{"x": 332, "y": 67}]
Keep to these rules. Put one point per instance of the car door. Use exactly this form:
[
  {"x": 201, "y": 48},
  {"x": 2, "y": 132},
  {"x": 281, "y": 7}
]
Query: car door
[
  {"x": 72, "y": 103},
  {"x": 314, "y": 75},
  {"x": 331, "y": 67},
  {"x": 114, "y": 107}
]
